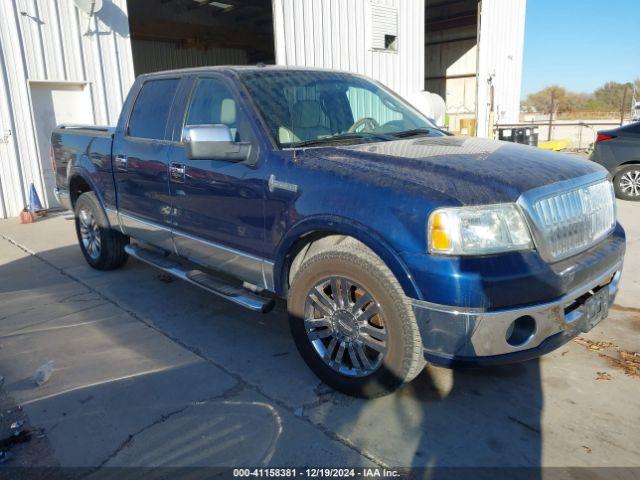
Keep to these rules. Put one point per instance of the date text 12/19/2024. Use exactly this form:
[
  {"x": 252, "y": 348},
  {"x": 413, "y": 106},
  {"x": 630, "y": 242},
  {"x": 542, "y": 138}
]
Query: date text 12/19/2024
[{"x": 315, "y": 473}]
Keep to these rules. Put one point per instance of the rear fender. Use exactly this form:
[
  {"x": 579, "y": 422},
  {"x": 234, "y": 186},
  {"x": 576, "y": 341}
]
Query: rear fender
[{"x": 86, "y": 171}]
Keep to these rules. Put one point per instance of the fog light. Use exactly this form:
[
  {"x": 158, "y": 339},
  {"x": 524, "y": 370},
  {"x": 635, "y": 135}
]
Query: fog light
[{"x": 521, "y": 331}]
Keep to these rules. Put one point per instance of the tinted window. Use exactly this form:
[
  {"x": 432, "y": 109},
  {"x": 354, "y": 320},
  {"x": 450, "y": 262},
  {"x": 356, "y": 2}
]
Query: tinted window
[
  {"x": 213, "y": 103},
  {"x": 300, "y": 106},
  {"x": 151, "y": 110}
]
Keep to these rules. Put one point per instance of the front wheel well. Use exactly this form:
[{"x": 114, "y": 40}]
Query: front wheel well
[
  {"x": 308, "y": 245},
  {"x": 78, "y": 186}
]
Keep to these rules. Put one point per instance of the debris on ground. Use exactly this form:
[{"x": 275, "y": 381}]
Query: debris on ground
[
  {"x": 603, "y": 376},
  {"x": 591, "y": 345},
  {"x": 43, "y": 373},
  {"x": 627, "y": 361},
  {"x": 165, "y": 278},
  {"x": 5, "y": 456},
  {"x": 17, "y": 424},
  {"x": 587, "y": 449}
]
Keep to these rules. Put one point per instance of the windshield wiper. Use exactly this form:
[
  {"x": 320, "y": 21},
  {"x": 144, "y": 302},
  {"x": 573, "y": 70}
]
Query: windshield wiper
[
  {"x": 412, "y": 133},
  {"x": 341, "y": 137}
]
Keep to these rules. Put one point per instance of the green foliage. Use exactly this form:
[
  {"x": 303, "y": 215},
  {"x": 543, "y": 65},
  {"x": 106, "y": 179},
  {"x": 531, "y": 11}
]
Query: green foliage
[{"x": 608, "y": 98}]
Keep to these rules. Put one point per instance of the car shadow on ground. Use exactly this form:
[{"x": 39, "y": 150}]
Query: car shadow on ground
[{"x": 158, "y": 372}]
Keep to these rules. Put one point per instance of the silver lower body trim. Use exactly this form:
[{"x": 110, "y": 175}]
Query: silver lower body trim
[
  {"x": 456, "y": 332},
  {"x": 246, "y": 267}
]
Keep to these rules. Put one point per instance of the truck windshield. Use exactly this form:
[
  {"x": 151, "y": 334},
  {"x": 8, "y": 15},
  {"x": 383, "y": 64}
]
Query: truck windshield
[{"x": 311, "y": 108}]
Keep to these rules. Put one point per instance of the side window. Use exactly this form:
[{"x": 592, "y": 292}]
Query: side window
[
  {"x": 151, "y": 110},
  {"x": 365, "y": 103},
  {"x": 213, "y": 103}
]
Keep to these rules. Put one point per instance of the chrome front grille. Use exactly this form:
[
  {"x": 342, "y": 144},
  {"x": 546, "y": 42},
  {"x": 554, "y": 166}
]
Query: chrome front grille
[{"x": 572, "y": 220}]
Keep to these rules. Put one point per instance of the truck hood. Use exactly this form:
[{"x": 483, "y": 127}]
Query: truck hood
[{"x": 472, "y": 171}]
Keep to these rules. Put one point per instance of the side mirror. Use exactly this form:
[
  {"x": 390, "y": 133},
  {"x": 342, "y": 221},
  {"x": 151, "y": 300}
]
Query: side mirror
[{"x": 213, "y": 142}]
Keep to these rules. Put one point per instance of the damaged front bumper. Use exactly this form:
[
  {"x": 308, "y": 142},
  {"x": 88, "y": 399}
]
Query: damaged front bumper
[{"x": 453, "y": 336}]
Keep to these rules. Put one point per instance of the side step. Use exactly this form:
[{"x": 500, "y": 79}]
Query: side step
[{"x": 237, "y": 295}]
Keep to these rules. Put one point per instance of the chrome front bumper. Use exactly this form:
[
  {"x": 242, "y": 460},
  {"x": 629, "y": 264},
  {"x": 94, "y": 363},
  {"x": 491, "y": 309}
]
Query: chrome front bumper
[{"x": 451, "y": 333}]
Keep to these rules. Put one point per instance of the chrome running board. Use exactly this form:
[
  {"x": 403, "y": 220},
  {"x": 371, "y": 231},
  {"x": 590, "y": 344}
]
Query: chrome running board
[{"x": 238, "y": 295}]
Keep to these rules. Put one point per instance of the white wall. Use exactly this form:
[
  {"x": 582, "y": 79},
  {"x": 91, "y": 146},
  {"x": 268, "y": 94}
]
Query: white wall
[
  {"x": 501, "y": 46},
  {"x": 50, "y": 40},
  {"x": 337, "y": 34}
]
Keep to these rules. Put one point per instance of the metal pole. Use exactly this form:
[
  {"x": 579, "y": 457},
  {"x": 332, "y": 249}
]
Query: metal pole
[
  {"x": 553, "y": 106},
  {"x": 624, "y": 104}
]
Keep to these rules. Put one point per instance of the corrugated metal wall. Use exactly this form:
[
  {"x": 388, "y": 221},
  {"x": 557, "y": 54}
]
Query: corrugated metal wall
[
  {"x": 50, "y": 40},
  {"x": 338, "y": 34},
  {"x": 152, "y": 56},
  {"x": 502, "y": 25}
]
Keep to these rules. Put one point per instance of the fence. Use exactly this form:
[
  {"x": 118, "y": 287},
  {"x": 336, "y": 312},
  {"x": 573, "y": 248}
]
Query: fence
[{"x": 580, "y": 133}]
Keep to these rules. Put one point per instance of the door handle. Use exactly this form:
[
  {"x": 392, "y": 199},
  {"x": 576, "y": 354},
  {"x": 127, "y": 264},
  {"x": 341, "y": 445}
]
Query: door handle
[
  {"x": 177, "y": 172},
  {"x": 121, "y": 163}
]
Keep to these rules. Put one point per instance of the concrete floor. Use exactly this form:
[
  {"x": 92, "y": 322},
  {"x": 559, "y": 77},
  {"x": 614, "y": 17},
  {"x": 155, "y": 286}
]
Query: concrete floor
[{"x": 154, "y": 373}]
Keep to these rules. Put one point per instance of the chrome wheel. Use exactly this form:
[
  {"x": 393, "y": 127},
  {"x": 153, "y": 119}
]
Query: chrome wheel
[
  {"x": 630, "y": 183},
  {"x": 345, "y": 326},
  {"x": 89, "y": 233}
]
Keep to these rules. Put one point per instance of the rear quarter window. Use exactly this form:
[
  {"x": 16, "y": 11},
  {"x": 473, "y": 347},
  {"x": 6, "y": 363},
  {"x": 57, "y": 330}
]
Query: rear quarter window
[{"x": 151, "y": 110}]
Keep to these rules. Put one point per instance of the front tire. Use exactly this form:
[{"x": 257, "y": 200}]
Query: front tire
[
  {"x": 353, "y": 324},
  {"x": 102, "y": 247},
  {"x": 627, "y": 183}
]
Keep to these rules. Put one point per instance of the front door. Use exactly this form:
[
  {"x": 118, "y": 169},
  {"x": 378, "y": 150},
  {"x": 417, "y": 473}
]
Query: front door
[
  {"x": 218, "y": 204},
  {"x": 140, "y": 163}
]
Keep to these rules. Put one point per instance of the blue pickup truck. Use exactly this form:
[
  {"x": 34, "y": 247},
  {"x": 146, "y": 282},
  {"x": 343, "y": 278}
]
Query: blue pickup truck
[{"x": 392, "y": 242}]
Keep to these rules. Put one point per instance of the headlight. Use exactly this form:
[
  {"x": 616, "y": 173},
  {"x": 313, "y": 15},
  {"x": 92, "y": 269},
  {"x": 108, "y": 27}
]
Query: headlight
[{"x": 478, "y": 230}]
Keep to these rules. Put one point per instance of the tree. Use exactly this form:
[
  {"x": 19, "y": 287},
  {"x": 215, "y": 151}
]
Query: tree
[
  {"x": 610, "y": 97},
  {"x": 613, "y": 96},
  {"x": 553, "y": 96}
]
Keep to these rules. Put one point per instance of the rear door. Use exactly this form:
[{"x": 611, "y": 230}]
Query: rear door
[
  {"x": 140, "y": 159},
  {"x": 218, "y": 205}
]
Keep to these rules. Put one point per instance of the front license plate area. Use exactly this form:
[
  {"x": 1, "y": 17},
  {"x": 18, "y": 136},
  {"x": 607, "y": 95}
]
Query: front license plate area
[{"x": 596, "y": 309}]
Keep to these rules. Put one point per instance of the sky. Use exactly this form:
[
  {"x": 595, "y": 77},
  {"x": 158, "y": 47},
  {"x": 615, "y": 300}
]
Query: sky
[{"x": 580, "y": 44}]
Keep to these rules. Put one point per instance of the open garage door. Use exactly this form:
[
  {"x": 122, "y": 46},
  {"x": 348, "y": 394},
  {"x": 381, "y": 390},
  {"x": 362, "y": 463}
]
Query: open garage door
[
  {"x": 451, "y": 59},
  {"x": 168, "y": 34}
]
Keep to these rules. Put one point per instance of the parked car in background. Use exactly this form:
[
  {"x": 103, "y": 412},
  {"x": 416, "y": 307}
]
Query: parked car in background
[
  {"x": 392, "y": 243},
  {"x": 618, "y": 151}
]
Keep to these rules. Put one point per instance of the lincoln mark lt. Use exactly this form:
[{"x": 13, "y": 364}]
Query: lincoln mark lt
[{"x": 392, "y": 242}]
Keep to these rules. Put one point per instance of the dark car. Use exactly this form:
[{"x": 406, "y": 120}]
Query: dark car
[{"x": 619, "y": 152}]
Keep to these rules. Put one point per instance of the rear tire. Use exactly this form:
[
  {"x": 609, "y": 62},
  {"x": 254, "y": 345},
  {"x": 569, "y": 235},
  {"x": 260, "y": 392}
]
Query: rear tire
[
  {"x": 363, "y": 273},
  {"x": 102, "y": 247},
  {"x": 627, "y": 183}
]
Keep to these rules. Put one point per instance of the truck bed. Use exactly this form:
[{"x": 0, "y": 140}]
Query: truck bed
[{"x": 86, "y": 147}]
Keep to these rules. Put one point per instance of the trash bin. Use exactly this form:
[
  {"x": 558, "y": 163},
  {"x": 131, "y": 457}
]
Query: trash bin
[
  {"x": 505, "y": 134},
  {"x": 523, "y": 135}
]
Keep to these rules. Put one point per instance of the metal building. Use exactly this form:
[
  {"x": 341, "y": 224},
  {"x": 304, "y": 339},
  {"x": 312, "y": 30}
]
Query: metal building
[{"x": 59, "y": 64}]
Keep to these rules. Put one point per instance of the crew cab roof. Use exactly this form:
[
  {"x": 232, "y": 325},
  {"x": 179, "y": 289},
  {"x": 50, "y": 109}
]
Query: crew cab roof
[{"x": 238, "y": 69}]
